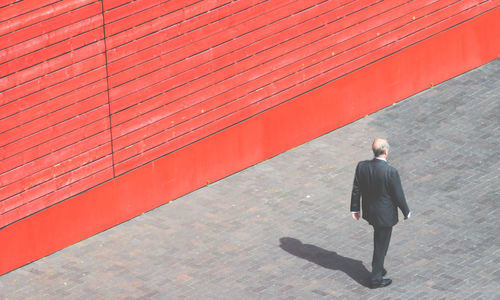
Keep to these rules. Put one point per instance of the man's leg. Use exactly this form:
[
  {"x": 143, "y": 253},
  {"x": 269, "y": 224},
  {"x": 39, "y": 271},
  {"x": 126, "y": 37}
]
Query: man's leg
[{"x": 381, "y": 240}]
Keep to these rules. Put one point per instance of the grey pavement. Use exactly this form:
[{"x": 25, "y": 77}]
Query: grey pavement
[{"x": 281, "y": 229}]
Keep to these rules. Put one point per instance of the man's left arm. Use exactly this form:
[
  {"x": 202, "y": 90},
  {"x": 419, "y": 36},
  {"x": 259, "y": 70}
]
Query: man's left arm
[
  {"x": 399, "y": 195},
  {"x": 356, "y": 197}
]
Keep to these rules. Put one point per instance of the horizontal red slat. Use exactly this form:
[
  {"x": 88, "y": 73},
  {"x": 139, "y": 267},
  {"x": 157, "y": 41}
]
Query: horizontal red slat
[
  {"x": 157, "y": 61},
  {"x": 55, "y": 184},
  {"x": 131, "y": 22},
  {"x": 56, "y": 196},
  {"x": 39, "y": 15},
  {"x": 22, "y": 7},
  {"x": 48, "y": 80},
  {"x": 151, "y": 46},
  {"x": 53, "y": 37},
  {"x": 89, "y": 113},
  {"x": 50, "y": 52},
  {"x": 184, "y": 52},
  {"x": 161, "y": 23},
  {"x": 60, "y": 142},
  {"x": 189, "y": 23},
  {"x": 453, "y": 16},
  {"x": 6, "y": 3},
  {"x": 36, "y": 126},
  {"x": 50, "y": 25},
  {"x": 51, "y": 65},
  {"x": 110, "y": 4},
  {"x": 54, "y": 171},
  {"x": 11, "y": 175},
  {"x": 129, "y": 9},
  {"x": 147, "y": 22},
  {"x": 66, "y": 95}
]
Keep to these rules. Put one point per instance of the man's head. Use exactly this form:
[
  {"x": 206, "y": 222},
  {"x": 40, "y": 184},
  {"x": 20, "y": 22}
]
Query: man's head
[{"x": 380, "y": 148}]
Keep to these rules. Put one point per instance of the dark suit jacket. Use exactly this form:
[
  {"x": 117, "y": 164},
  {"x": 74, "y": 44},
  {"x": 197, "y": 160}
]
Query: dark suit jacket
[{"x": 379, "y": 186}]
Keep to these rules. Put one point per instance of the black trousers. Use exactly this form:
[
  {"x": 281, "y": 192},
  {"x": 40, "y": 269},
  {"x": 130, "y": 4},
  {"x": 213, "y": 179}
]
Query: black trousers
[{"x": 381, "y": 240}]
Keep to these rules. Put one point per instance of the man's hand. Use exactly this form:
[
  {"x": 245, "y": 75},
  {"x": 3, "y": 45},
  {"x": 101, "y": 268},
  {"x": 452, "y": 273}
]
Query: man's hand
[{"x": 355, "y": 215}]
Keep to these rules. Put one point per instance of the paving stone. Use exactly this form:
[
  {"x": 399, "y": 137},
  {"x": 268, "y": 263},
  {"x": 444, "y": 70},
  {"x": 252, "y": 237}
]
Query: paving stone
[{"x": 282, "y": 230}]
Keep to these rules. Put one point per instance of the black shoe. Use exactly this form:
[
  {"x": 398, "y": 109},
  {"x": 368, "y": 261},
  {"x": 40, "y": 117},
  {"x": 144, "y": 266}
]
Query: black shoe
[
  {"x": 384, "y": 272},
  {"x": 383, "y": 283}
]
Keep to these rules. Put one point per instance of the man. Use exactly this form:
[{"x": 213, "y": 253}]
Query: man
[{"x": 379, "y": 187}]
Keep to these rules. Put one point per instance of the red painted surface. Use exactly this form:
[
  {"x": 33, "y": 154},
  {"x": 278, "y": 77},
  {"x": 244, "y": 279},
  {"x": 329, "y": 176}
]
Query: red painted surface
[
  {"x": 195, "y": 93},
  {"x": 55, "y": 138}
]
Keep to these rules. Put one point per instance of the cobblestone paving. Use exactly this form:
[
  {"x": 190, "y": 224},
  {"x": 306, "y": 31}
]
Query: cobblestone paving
[{"x": 282, "y": 230}]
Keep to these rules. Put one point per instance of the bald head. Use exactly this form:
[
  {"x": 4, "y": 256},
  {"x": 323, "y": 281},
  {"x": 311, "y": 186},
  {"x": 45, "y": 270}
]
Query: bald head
[{"x": 380, "y": 147}]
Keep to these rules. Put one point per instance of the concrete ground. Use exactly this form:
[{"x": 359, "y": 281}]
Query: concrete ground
[{"x": 282, "y": 229}]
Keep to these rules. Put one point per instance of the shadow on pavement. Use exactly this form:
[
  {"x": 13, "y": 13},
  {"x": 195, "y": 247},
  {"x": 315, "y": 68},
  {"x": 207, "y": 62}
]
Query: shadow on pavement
[{"x": 327, "y": 259}]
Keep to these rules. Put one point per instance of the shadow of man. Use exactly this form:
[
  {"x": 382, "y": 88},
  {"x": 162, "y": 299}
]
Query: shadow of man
[{"x": 327, "y": 259}]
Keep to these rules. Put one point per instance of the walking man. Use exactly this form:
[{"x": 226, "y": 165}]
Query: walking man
[{"x": 379, "y": 187}]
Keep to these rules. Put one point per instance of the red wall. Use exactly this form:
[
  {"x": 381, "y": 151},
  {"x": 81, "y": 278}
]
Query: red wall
[
  {"x": 161, "y": 98},
  {"x": 55, "y": 140}
]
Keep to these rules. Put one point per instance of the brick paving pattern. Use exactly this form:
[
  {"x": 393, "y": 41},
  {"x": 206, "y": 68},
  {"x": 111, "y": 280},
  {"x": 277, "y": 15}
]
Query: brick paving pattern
[{"x": 282, "y": 230}]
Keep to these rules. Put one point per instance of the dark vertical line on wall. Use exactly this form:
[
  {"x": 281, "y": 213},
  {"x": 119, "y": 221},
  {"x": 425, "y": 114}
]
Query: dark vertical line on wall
[{"x": 107, "y": 86}]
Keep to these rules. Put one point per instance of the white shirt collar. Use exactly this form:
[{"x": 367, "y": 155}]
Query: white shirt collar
[{"x": 381, "y": 158}]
